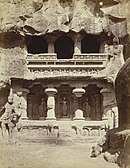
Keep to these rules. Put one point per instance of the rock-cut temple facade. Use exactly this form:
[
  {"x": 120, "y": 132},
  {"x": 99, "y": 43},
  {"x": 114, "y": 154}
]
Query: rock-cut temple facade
[{"x": 59, "y": 59}]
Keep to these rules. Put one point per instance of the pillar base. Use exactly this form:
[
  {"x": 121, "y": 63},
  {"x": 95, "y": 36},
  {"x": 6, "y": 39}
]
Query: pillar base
[
  {"x": 79, "y": 115},
  {"x": 51, "y": 114},
  {"x": 50, "y": 118},
  {"x": 78, "y": 118}
]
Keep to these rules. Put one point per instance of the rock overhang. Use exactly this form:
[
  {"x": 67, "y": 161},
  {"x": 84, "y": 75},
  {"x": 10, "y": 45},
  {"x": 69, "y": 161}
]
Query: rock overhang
[{"x": 42, "y": 17}]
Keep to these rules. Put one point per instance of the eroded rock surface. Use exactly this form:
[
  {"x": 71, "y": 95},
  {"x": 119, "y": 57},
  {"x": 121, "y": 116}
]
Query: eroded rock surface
[
  {"x": 116, "y": 147},
  {"x": 19, "y": 18},
  {"x": 40, "y": 17}
]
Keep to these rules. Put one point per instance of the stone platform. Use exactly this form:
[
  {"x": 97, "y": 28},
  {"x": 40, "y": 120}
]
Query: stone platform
[{"x": 61, "y": 131}]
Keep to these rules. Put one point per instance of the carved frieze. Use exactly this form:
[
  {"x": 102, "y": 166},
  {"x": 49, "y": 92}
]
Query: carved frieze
[
  {"x": 46, "y": 56},
  {"x": 91, "y": 56},
  {"x": 61, "y": 72},
  {"x": 52, "y": 56}
]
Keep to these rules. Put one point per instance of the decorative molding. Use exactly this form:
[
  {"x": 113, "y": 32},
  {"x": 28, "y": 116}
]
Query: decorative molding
[
  {"x": 42, "y": 65},
  {"x": 62, "y": 72},
  {"x": 51, "y": 56},
  {"x": 44, "y": 56},
  {"x": 94, "y": 56}
]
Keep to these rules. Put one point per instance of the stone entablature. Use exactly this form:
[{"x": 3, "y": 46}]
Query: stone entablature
[
  {"x": 47, "y": 64},
  {"x": 58, "y": 72},
  {"x": 76, "y": 56},
  {"x": 92, "y": 56},
  {"x": 46, "y": 56}
]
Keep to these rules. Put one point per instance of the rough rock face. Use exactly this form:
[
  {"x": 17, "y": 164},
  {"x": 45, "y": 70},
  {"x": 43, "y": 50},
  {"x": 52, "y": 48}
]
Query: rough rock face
[
  {"x": 119, "y": 11},
  {"x": 122, "y": 87},
  {"x": 117, "y": 143},
  {"x": 4, "y": 92},
  {"x": 116, "y": 147},
  {"x": 40, "y": 17},
  {"x": 115, "y": 61},
  {"x": 12, "y": 55}
]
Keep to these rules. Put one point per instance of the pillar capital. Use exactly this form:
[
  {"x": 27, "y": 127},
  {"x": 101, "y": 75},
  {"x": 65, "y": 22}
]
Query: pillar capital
[
  {"x": 78, "y": 92},
  {"x": 50, "y": 39},
  {"x": 50, "y": 91},
  {"x": 105, "y": 91},
  {"x": 77, "y": 37},
  {"x": 24, "y": 90}
]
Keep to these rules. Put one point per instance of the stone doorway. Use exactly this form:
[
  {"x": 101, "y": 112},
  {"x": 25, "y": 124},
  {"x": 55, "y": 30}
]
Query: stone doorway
[
  {"x": 92, "y": 103},
  {"x": 37, "y": 103},
  {"x": 90, "y": 44},
  {"x": 64, "y": 47},
  {"x": 64, "y": 103},
  {"x": 36, "y": 44}
]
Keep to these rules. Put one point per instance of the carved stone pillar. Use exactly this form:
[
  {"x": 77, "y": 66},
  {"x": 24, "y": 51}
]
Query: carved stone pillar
[
  {"x": 76, "y": 104},
  {"x": 104, "y": 92},
  {"x": 79, "y": 113},
  {"x": 77, "y": 45},
  {"x": 24, "y": 95},
  {"x": 115, "y": 117},
  {"x": 106, "y": 96},
  {"x": 51, "y": 103},
  {"x": 98, "y": 108},
  {"x": 50, "y": 41},
  {"x": 30, "y": 106}
]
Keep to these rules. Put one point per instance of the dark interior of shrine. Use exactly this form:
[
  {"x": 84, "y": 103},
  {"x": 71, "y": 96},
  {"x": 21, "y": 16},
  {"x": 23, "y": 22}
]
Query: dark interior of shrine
[
  {"x": 64, "y": 47},
  {"x": 66, "y": 103},
  {"x": 90, "y": 44},
  {"x": 36, "y": 45}
]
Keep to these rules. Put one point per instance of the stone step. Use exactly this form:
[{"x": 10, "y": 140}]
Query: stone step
[
  {"x": 34, "y": 131},
  {"x": 38, "y": 135}
]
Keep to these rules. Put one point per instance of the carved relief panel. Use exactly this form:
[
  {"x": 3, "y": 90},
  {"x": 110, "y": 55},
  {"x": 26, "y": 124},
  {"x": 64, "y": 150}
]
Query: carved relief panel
[
  {"x": 64, "y": 102},
  {"x": 91, "y": 103}
]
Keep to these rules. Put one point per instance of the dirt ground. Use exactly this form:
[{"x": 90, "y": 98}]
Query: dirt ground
[{"x": 49, "y": 153}]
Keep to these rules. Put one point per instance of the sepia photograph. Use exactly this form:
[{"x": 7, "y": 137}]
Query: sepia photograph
[{"x": 64, "y": 84}]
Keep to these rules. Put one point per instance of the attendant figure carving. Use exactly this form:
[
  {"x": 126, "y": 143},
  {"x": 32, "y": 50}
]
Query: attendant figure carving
[
  {"x": 42, "y": 108},
  {"x": 87, "y": 108},
  {"x": 9, "y": 118},
  {"x": 64, "y": 106}
]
